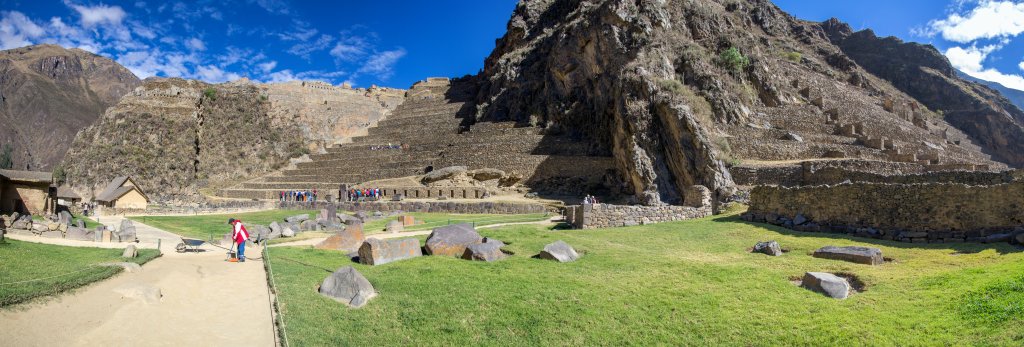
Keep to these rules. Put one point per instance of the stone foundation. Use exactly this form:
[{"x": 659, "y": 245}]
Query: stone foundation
[{"x": 934, "y": 212}]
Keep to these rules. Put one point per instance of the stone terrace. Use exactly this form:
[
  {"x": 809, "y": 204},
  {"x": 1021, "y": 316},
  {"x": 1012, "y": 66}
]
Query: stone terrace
[{"x": 435, "y": 123}]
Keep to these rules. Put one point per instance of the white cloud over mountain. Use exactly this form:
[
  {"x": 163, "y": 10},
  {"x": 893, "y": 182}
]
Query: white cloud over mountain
[{"x": 982, "y": 27}]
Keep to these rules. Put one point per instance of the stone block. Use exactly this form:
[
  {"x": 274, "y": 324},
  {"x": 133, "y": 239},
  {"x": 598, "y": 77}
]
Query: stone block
[
  {"x": 377, "y": 252},
  {"x": 860, "y": 255},
  {"x": 452, "y": 240},
  {"x": 348, "y": 286},
  {"x": 347, "y": 240},
  {"x": 831, "y": 285},
  {"x": 559, "y": 251}
]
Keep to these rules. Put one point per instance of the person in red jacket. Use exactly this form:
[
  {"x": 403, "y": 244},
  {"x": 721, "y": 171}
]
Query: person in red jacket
[{"x": 239, "y": 235}]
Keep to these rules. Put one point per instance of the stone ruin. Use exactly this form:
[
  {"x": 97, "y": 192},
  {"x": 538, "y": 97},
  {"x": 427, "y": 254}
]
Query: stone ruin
[{"x": 63, "y": 226}]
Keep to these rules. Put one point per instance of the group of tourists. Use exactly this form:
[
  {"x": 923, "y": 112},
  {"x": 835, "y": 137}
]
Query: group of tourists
[
  {"x": 364, "y": 194},
  {"x": 589, "y": 200},
  {"x": 388, "y": 146},
  {"x": 298, "y": 195}
]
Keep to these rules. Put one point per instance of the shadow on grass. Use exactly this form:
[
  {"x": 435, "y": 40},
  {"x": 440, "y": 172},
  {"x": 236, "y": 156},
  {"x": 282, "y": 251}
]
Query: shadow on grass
[{"x": 958, "y": 248}]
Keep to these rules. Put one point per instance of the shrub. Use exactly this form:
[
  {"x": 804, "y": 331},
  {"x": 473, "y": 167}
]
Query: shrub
[
  {"x": 795, "y": 57},
  {"x": 210, "y": 93},
  {"x": 672, "y": 85},
  {"x": 731, "y": 59}
]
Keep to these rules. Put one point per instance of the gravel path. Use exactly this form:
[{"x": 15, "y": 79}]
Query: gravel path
[{"x": 205, "y": 301}]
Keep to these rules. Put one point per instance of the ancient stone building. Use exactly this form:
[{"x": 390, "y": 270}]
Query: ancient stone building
[{"x": 26, "y": 192}]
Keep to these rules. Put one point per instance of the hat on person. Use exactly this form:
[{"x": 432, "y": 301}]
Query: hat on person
[{"x": 231, "y": 220}]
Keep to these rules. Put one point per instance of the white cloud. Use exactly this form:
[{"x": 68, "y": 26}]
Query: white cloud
[
  {"x": 306, "y": 48},
  {"x": 350, "y": 48},
  {"x": 990, "y": 19},
  {"x": 213, "y": 74},
  {"x": 273, "y": 6},
  {"x": 17, "y": 30},
  {"x": 195, "y": 44},
  {"x": 268, "y": 66},
  {"x": 970, "y": 59},
  {"x": 99, "y": 14},
  {"x": 382, "y": 64}
]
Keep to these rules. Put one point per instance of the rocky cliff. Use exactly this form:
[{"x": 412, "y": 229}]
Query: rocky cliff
[
  {"x": 49, "y": 93},
  {"x": 679, "y": 90},
  {"x": 175, "y": 137},
  {"x": 921, "y": 71}
]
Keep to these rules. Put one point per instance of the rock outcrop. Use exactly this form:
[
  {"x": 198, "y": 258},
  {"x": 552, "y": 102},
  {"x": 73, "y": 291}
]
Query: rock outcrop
[
  {"x": 921, "y": 71},
  {"x": 49, "y": 93}
]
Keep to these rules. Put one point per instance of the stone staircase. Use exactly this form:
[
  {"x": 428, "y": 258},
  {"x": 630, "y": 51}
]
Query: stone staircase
[{"x": 435, "y": 128}]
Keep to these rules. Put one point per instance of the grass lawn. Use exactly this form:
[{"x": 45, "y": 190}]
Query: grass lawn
[
  {"x": 70, "y": 267},
  {"x": 681, "y": 283},
  {"x": 203, "y": 226},
  {"x": 89, "y": 222},
  {"x": 434, "y": 220}
]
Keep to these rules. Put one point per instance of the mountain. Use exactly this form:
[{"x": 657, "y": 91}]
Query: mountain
[
  {"x": 1015, "y": 96},
  {"x": 49, "y": 93},
  {"x": 176, "y": 136},
  {"x": 678, "y": 91}
]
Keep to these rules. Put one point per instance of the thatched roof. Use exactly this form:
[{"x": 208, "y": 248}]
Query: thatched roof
[
  {"x": 117, "y": 189},
  {"x": 67, "y": 194}
]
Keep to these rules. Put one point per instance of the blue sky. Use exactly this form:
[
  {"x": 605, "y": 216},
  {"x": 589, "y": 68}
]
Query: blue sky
[
  {"x": 388, "y": 43},
  {"x": 395, "y": 43}
]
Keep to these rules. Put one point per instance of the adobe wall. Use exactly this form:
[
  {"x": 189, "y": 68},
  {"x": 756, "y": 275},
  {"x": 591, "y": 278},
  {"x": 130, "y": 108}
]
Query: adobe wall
[
  {"x": 595, "y": 216},
  {"x": 35, "y": 197},
  {"x": 931, "y": 212}
]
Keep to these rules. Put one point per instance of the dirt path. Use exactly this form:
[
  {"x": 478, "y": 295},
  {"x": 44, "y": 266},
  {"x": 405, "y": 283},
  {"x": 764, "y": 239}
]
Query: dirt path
[
  {"x": 205, "y": 301},
  {"x": 382, "y": 236}
]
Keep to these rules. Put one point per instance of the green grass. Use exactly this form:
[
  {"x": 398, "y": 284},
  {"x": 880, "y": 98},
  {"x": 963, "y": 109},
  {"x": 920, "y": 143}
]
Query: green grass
[
  {"x": 72, "y": 267},
  {"x": 434, "y": 220},
  {"x": 89, "y": 222},
  {"x": 681, "y": 283},
  {"x": 201, "y": 227}
]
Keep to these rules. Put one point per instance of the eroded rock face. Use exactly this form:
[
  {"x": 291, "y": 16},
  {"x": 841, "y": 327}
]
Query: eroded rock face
[
  {"x": 348, "y": 286},
  {"x": 596, "y": 69}
]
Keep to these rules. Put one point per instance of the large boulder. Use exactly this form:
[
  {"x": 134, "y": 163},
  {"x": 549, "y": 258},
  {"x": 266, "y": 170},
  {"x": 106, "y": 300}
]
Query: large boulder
[
  {"x": 21, "y": 225},
  {"x": 444, "y": 173},
  {"x": 861, "y": 255},
  {"x": 258, "y": 233},
  {"x": 64, "y": 217},
  {"x": 81, "y": 234},
  {"x": 348, "y": 240},
  {"x": 297, "y": 218},
  {"x": 377, "y": 252},
  {"x": 287, "y": 231},
  {"x": 348, "y": 286},
  {"x": 828, "y": 284},
  {"x": 452, "y": 240},
  {"x": 52, "y": 226},
  {"x": 559, "y": 251},
  {"x": 487, "y": 174},
  {"x": 127, "y": 231},
  {"x": 394, "y": 226},
  {"x": 1020, "y": 239},
  {"x": 768, "y": 247},
  {"x": 489, "y": 250},
  {"x": 79, "y": 223},
  {"x": 130, "y": 252}
]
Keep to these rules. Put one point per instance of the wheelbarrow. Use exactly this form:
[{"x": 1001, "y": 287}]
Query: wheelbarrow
[{"x": 189, "y": 245}]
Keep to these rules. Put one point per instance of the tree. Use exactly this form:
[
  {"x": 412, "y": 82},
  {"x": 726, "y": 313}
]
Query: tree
[
  {"x": 59, "y": 175},
  {"x": 7, "y": 157}
]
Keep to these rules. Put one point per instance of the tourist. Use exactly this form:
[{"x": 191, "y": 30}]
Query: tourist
[
  {"x": 314, "y": 195},
  {"x": 85, "y": 209},
  {"x": 239, "y": 235}
]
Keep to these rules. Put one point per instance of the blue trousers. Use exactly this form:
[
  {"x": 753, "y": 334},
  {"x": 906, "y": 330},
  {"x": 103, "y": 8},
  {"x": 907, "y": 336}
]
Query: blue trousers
[{"x": 241, "y": 250}]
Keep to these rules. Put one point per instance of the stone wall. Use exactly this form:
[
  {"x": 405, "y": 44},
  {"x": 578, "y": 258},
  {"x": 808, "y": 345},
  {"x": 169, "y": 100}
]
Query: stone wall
[
  {"x": 428, "y": 206},
  {"x": 836, "y": 172},
  {"x": 934, "y": 212},
  {"x": 594, "y": 216}
]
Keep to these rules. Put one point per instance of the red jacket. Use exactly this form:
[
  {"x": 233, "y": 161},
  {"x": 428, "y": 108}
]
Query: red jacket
[{"x": 239, "y": 234}]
